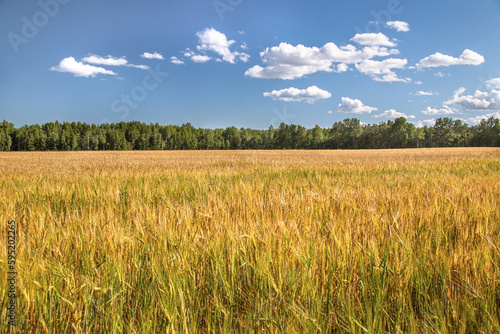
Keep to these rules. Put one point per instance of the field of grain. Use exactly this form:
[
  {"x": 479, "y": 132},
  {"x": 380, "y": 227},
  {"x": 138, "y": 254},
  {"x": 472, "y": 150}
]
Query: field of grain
[{"x": 245, "y": 241}]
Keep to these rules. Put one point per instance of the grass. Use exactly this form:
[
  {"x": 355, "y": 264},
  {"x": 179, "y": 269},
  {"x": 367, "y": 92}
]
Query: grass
[{"x": 244, "y": 241}]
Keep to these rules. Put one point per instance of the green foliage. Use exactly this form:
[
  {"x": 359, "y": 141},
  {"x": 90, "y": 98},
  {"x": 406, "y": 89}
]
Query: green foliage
[{"x": 348, "y": 134}]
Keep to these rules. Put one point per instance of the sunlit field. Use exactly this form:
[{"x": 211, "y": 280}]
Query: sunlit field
[{"x": 254, "y": 241}]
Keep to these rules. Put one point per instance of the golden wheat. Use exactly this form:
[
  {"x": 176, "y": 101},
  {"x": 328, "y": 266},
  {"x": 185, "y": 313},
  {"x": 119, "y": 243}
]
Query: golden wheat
[{"x": 244, "y": 241}]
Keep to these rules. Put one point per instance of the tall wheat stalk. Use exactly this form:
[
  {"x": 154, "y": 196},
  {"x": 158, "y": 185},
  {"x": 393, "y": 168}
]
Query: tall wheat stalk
[{"x": 295, "y": 241}]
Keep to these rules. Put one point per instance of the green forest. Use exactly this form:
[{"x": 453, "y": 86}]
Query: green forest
[{"x": 347, "y": 134}]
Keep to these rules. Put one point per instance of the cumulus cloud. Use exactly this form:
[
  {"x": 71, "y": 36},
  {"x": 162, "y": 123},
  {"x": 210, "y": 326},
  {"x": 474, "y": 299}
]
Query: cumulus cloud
[
  {"x": 244, "y": 57},
  {"x": 109, "y": 60},
  {"x": 446, "y": 110},
  {"x": 391, "y": 113},
  {"x": 383, "y": 70},
  {"x": 215, "y": 41},
  {"x": 423, "y": 93},
  {"x": 309, "y": 95},
  {"x": 468, "y": 57},
  {"x": 428, "y": 122},
  {"x": 373, "y": 39},
  {"x": 154, "y": 55},
  {"x": 188, "y": 53},
  {"x": 200, "y": 58},
  {"x": 477, "y": 119},
  {"x": 493, "y": 83},
  {"x": 289, "y": 62},
  {"x": 354, "y": 106},
  {"x": 478, "y": 101},
  {"x": 176, "y": 61},
  {"x": 79, "y": 69},
  {"x": 340, "y": 68},
  {"x": 399, "y": 26},
  {"x": 142, "y": 67}
]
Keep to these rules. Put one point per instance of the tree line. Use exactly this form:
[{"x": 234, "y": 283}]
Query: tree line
[{"x": 347, "y": 134}]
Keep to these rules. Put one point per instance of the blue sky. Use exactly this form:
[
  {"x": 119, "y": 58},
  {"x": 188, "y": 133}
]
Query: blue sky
[{"x": 218, "y": 63}]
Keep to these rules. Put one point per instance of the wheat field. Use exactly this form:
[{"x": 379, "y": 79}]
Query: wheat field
[{"x": 382, "y": 241}]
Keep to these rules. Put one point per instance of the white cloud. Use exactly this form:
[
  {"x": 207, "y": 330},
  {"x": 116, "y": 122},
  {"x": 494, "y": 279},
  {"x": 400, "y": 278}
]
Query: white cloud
[
  {"x": 309, "y": 95},
  {"x": 70, "y": 65},
  {"x": 442, "y": 111},
  {"x": 493, "y": 83},
  {"x": 399, "y": 26},
  {"x": 423, "y": 93},
  {"x": 418, "y": 82},
  {"x": 391, "y": 113},
  {"x": 215, "y": 41},
  {"x": 188, "y": 53},
  {"x": 439, "y": 74},
  {"x": 477, "y": 119},
  {"x": 244, "y": 46},
  {"x": 109, "y": 61},
  {"x": 373, "y": 39},
  {"x": 142, "y": 67},
  {"x": 428, "y": 122},
  {"x": 382, "y": 70},
  {"x": 468, "y": 57},
  {"x": 391, "y": 77},
  {"x": 289, "y": 62},
  {"x": 154, "y": 55},
  {"x": 341, "y": 68},
  {"x": 329, "y": 112},
  {"x": 478, "y": 101},
  {"x": 175, "y": 60},
  {"x": 354, "y": 106},
  {"x": 244, "y": 57},
  {"x": 200, "y": 58}
]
